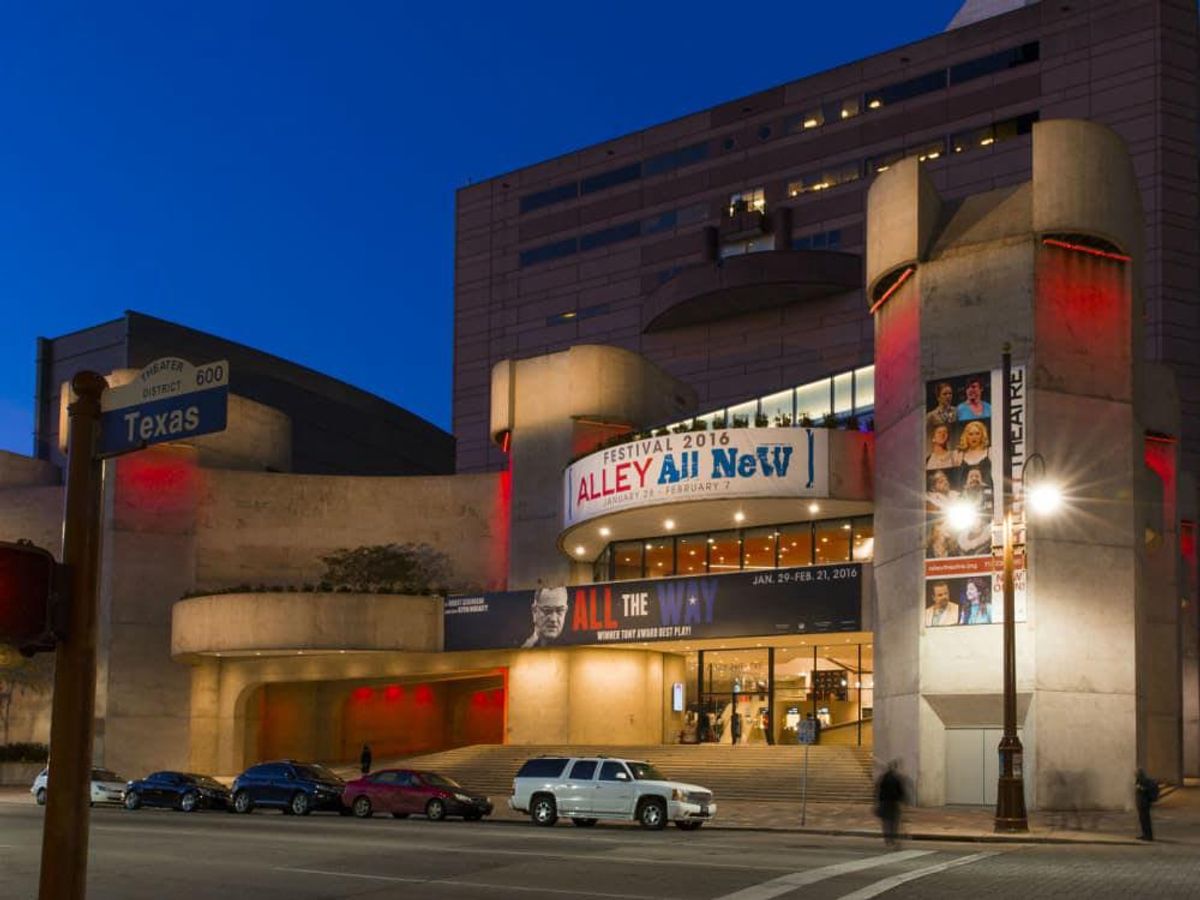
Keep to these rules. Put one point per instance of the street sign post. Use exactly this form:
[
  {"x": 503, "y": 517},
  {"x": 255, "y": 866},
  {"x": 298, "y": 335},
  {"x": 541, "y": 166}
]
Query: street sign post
[
  {"x": 806, "y": 734},
  {"x": 169, "y": 400}
]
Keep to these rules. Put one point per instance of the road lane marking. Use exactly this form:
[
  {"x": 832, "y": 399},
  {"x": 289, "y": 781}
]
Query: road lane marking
[
  {"x": 886, "y": 884},
  {"x": 455, "y": 883},
  {"x": 793, "y": 880}
]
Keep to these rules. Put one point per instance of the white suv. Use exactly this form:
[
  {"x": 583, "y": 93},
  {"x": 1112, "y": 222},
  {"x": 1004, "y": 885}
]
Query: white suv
[{"x": 587, "y": 789}]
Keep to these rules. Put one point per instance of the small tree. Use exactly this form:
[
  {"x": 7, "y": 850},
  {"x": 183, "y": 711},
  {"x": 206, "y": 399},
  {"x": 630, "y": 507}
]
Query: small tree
[{"x": 387, "y": 568}]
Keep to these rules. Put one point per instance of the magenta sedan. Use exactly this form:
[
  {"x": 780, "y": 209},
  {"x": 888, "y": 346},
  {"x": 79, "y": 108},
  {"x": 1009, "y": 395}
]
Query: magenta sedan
[{"x": 404, "y": 792}]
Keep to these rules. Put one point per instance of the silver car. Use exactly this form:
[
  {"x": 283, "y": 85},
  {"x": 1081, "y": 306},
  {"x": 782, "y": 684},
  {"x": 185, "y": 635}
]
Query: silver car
[
  {"x": 107, "y": 787},
  {"x": 587, "y": 789}
]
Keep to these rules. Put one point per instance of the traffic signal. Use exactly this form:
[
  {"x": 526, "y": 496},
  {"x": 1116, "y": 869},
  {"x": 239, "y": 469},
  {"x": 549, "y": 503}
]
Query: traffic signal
[{"x": 27, "y": 586}]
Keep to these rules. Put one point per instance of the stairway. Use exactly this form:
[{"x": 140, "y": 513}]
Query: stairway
[{"x": 757, "y": 772}]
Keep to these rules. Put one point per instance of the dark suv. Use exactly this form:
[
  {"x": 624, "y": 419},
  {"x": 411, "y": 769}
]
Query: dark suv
[{"x": 295, "y": 787}]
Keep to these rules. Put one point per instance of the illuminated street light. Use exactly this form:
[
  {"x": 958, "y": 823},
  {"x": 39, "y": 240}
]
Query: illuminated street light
[{"x": 1044, "y": 498}]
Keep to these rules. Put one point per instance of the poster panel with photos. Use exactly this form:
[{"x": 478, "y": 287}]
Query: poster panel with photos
[{"x": 964, "y": 582}]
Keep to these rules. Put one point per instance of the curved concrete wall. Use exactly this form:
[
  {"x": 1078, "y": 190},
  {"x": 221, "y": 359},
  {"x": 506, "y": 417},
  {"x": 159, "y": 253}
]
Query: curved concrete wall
[{"x": 270, "y": 622}]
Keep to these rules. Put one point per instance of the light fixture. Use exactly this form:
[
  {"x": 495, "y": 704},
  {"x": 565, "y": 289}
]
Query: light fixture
[
  {"x": 845, "y": 113},
  {"x": 810, "y": 123},
  {"x": 961, "y": 515},
  {"x": 987, "y": 142},
  {"x": 814, "y": 508},
  {"x": 580, "y": 550},
  {"x": 846, "y": 527},
  {"x": 875, "y": 104},
  {"x": 605, "y": 531},
  {"x": 669, "y": 524},
  {"x": 739, "y": 516},
  {"x": 649, "y": 546},
  {"x": 1044, "y": 498}
]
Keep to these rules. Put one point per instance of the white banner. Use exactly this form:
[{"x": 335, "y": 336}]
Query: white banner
[{"x": 698, "y": 465}]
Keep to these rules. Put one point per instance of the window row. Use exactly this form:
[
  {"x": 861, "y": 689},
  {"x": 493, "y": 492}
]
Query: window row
[
  {"x": 614, "y": 234},
  {"x": 841, "y": 395},
  {"x": 819, "y": 543},
  {"x": 815, "y": 117}
]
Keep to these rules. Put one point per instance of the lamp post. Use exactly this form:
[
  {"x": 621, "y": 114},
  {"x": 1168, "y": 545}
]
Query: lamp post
[{"x": 1010, "y": 787}]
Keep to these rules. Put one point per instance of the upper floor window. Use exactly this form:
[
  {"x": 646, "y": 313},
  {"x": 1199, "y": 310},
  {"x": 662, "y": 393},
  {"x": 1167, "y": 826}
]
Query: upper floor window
[{"x": 752, "y": 200}]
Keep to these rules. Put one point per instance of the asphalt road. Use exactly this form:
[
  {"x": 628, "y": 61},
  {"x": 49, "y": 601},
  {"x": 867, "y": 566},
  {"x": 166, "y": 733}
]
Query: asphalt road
[{"x": 161, "y": 854}]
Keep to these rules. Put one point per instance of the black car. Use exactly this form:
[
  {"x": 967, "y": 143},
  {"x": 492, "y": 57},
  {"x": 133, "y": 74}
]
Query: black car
[
  {"x": 297, "y": 788},
  {"x": 177, "y": 790}
]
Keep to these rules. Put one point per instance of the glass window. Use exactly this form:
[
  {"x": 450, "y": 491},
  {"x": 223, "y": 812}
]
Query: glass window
[
  {"x": 795, "y": 545},
  {"x": 752, "y": 200},
  {"x": 759, "y": 548},
  {"x": 550, "y": 196},
  {"x": 611, "y": 178},
  {"x": 675, "y": 159},
  {"x": 724, "y": 552},
  {"x": 778, "y": 409},
  {"x": 1015, "y": 127},
  {"x": 883, "y": 161},
  {"x": 864, "y": 539},
  {"x": 693, "y": 554},
  {"x": 905, "y": 90},
  {"x": 627, "y": 560},
  {"x": 843, "y": 395},
  {"x": 996, "y": 62},
  {"x": 832, "y": 542},
  {"x": 548, "y": 251},
  {"x": 864, "y": 388},
  {"x": 584, "y": 770},
  {"x": 543, "y": 767},
  {"x": 614, "y": 771},
  {"x": 760, "y": 244},
  {"x": 831, "y": 176},
  {"x": 613, "y": 235},
  {"x": 810, "y": 118},
  {"x": 929, "y": 151},
  {"x": 743, "y": 414},
  {"x": 973, "y": 139},
  {"x": 846, "y": 108},
  {"x": 660, "y": 557},
  {"x": 601, "y": 568},
  {"x": 812, "y": 401},
  {"x": 663, "y": 222}
]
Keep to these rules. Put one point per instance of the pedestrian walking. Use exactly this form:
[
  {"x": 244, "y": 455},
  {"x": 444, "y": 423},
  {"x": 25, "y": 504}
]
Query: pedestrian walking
[
  {"x": 365, "y": 758},
  {"x": 735, "y": 727},
  {"x": 1147, "y": 793},
  {"x": 889, "y": 795}
]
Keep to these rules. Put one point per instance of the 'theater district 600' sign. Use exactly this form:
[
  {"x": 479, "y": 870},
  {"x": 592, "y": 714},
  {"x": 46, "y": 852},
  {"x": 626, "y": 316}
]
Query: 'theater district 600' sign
[{"x": 700, "y": 465}]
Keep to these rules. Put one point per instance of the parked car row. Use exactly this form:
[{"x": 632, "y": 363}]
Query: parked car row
[{"x": 584, "y": 789}]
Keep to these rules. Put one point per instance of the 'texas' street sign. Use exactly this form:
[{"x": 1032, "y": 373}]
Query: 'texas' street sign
[{"x": 169, "y": 400}]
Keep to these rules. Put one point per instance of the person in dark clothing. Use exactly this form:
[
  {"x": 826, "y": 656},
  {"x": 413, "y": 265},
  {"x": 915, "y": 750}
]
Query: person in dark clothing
[
  {"x": 889, "y": 795},
  {"x": 701, "y": 726},
  {"x": 735, "y": 727},
  {"x": 365, "y": 758},
  {"x": 1147, "y": 793}
]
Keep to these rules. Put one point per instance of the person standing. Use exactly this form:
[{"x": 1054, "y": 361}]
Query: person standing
[
  {"x": 1147, "y": 793},
  {"x": 365, "y": 758},
  {"x": 735, "y": 726},
  {"x": 889, "y": 795}
]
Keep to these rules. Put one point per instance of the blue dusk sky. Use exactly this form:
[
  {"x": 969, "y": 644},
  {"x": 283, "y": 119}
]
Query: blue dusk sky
[{"x": 283, "y": 174}]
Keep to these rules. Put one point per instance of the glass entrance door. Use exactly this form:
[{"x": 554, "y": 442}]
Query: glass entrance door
[{"x": 735, "y": 696}]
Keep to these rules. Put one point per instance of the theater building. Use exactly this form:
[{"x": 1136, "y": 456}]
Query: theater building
[{"x": 723, "y": 390}]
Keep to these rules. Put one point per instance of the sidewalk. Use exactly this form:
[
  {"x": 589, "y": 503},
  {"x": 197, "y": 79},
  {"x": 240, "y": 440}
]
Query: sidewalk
[{"x": 1176, "y": 820}]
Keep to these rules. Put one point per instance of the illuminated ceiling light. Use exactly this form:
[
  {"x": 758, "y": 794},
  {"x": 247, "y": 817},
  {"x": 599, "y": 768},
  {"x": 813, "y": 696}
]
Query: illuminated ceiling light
[
  {"x": 1045, "y": 498},
  {"x": 875, "y": 104},
  {"x": 660, "y": 565},
  {"x": 845, "y": 113},
  {"x": 987, "y": 142},
  {"x": 846, "y": 527},
  {"x": 626, "y": 559},
  {"x": 669, "y": 524},
  {"x": 712, "y": 540},
  {"x": 580, "y": 550},
  {"x": 882, "y": 168},
  {"x": 649, "y": 546},
  {"x": 739, "y": 516},
  {"x": 691, "y": 553},
  {"x": 605, "y": 531},
  {"x": 814, "y": 508},
  {"x": 810, "y": 123},
  {"x": 824, "y": 540},
  {"x": 961, "y": 516},
  {"x": 934, "y": 155}
]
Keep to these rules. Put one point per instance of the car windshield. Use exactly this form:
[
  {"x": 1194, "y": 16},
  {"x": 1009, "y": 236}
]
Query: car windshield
[
  {"x": 440, "y": 780},
  {"x": 646, "y": 772},
  {"x": 205, "y": 780},
  {"x": 317, "y": 772},
  {"x": 105, "y": 775}
]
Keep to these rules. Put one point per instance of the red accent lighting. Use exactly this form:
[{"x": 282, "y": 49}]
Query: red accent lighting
[
  {"x": 423, "y": 695},
  {"x": 1082, "y": 248},
  {"x": 393, "y": 692},
  {"x": 904, "y": 276},
  {"x": 362, "y": 693}
]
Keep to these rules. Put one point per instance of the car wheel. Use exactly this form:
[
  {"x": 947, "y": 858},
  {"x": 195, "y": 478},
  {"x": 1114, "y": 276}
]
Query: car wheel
[
  {"x": 300, "y": 805},
  {"x": 133, "y": 800},
  {"x": 188, "y": 802},
  {"x": 243, "y": 802},
  {"x": 688, "y": 826},
  {"x": 435, "y": 809},
  {"x": 652, "y": 814},
  {"x": 362, "y": 807},
  {"x": 543, "y": 810},
  {"x": 399, "y": 815},
  {"x": 584, "y": 823},
  {"x": 41, "y": 796}
]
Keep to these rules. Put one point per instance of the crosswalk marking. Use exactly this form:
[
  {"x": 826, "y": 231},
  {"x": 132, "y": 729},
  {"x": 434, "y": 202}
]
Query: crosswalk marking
[
  {"x": 793, "y": 880},
  {"x": 886, "y": 884}
]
